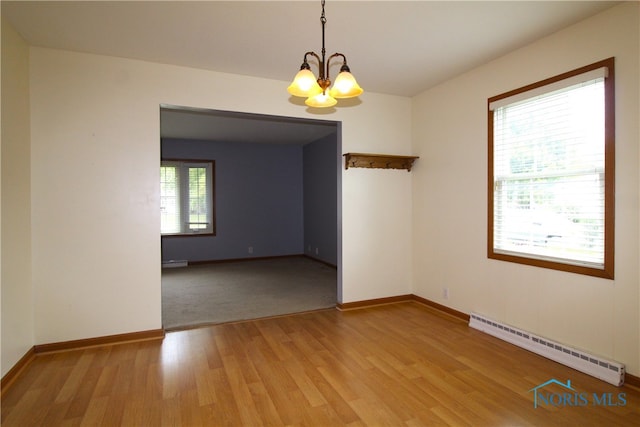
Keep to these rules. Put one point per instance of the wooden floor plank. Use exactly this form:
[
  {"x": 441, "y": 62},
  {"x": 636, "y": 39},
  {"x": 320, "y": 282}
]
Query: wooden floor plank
[
  {"x": 398, "y": 364},
  {"x": 241, "y": 392},
  {"x": 306, "y": 386},
  {"x": 94, "y": 414}
]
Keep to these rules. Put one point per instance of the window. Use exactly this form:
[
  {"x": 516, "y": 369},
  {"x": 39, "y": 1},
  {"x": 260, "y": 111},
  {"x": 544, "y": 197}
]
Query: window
[
  {"x": 551, "y": 172},
  {"x": 186, "y": 197}
]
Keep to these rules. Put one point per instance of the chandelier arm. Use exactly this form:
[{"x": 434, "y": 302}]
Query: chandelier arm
[
  {"x": 344, "y": 62},
  {"x": 344, "y": 58},
  {"x": 305, "y": 64},
  {"x": 313, "y": 54}
]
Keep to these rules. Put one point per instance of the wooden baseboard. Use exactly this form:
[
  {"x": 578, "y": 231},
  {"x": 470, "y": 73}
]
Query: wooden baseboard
[
  {"x": 17, "y": 369},
  {"x": 455, "y": 313},
  {"x": 403, "y": 298},
  {"x": 261, "y": 258},
  {"x": 155, "y": 334},
  {"x": 631, "y": 380},
  {"x": 321, "y": 261},
  {"x": 257, "y": 258},
  {"x": 373, "y": 302}
]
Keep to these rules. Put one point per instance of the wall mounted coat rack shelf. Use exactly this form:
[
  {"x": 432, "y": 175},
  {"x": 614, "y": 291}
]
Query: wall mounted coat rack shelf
[{"x": 378, "y": 161}]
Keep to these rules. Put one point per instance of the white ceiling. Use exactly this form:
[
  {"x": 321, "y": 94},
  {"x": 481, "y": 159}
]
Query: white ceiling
[
  {"x": 393, "y": 47},
  {"x": 183, "y": 123}
]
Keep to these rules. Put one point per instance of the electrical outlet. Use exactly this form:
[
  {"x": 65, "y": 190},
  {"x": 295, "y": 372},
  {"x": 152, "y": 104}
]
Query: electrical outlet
[
  {"x": 250, "y": 249},
  {"x": 317, "y": 251},
  {"x": 445, "y": 293}
]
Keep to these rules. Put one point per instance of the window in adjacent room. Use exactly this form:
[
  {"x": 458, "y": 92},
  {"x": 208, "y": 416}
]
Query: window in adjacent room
[
  {"x": 186, "y": 197},
  {"x": 551, "y": 172}
]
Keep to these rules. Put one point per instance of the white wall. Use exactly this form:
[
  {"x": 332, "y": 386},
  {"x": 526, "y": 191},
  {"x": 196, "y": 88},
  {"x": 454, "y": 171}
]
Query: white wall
[
  {"x": 95, "y": 158},
  {"x": 15, "y": 247},
  {"x": 450, "y": 198}
]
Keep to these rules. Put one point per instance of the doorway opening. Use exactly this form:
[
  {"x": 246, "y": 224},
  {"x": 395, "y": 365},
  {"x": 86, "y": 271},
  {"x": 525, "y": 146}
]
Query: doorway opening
[{"x": 276, "y": 195}]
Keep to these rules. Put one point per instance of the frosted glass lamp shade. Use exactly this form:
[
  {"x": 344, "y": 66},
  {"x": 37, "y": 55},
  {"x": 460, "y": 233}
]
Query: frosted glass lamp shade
[
  {"x": 304, "y": 84},
  {"x": 321, "y": 100},
  {"x": 345, "y": 86}
]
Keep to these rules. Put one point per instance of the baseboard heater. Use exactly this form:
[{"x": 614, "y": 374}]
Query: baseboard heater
[{"x": 606, "y": 370}]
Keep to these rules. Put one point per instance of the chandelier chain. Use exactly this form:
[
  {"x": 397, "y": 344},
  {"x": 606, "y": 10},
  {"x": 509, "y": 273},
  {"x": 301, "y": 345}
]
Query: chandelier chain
[{"x": 323, "y": 20}]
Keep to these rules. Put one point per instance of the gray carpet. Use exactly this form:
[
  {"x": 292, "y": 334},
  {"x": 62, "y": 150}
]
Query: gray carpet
[{"x": 227, "y": 292}]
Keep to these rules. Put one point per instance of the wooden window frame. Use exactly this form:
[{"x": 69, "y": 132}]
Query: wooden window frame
[{"x": 607, "y": 271}]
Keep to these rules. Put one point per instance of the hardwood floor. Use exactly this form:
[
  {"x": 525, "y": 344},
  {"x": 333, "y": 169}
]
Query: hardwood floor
[{"x": 398, "y": 364}]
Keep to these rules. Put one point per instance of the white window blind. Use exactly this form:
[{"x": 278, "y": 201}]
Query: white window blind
[
  {"x": 186, "y": 197},
  {"x": 170, "y": 199},
  {"x": 549, "y": 172}
]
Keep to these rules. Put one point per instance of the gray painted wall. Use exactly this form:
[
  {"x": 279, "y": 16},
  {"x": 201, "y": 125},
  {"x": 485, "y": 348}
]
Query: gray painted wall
[
  {"x": 320, "y": 173},
  {"x": 258, "y": 201}
]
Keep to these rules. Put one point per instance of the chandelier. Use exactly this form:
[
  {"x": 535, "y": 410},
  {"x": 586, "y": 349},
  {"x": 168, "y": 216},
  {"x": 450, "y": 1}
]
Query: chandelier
[{"x": 317, "y": 90}]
